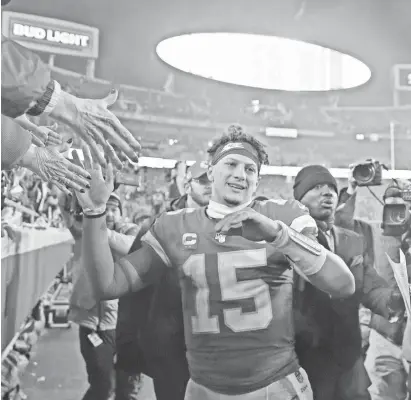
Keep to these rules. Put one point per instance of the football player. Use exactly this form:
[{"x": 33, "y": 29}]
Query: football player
[{"x": 235, "y": 258}]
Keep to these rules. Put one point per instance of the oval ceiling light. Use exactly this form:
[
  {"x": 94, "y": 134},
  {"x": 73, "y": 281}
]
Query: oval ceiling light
[{"x": 266, "y": 62}]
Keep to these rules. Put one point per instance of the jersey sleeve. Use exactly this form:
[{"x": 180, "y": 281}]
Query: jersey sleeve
[
  {"x": 150, "y": 260},
  {"x": 292, "y": 213},
  {"x": 141, "y": 268}
]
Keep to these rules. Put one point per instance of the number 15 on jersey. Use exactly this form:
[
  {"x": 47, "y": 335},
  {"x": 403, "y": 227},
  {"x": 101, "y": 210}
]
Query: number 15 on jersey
[{"x": 231, "y": 289}]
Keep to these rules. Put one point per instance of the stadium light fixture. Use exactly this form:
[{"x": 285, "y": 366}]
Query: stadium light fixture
[{"x": 266, "y": 62}]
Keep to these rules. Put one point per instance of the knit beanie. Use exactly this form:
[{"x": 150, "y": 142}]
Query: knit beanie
[{"x": 311, "y": 176}]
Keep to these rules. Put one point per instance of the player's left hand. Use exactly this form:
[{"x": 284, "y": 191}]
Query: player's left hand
[{"x": 252, "y": 225}]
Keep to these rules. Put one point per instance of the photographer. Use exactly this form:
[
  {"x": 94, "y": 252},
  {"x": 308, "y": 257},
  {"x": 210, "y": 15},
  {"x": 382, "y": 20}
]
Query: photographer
[
  {"x": 384, "y": 362},
  {"x": 328, "y": 337}
]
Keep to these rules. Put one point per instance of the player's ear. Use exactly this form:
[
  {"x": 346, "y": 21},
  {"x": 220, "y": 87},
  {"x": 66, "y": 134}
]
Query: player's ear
[
  {"x": 187, "y": 187},
  {"x": 210, "y": 173},
  {"x": 258, "y": 181}
]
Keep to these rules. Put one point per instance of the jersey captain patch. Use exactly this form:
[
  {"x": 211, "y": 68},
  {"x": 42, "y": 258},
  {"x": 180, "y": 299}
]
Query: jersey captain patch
[{"x": 189, "y": 240}]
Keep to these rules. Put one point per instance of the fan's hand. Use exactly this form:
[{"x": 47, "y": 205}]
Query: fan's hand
[
  {"x": 50, "y": 165},
  {"x": 95, "y": 124}
]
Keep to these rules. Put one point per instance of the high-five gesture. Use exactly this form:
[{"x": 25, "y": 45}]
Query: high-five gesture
[
  {"x": 94, "y": 200},
  {"x": 95, "y": 124}
]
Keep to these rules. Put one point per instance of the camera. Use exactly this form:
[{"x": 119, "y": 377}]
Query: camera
[
  {"x": 396, "y": 217},
  {"x": 368, "y": 173},
  {"x": 406, "y": 194}
]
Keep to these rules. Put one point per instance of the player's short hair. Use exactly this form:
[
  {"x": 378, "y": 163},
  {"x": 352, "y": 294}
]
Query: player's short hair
[{"x": 235, "y": 133}]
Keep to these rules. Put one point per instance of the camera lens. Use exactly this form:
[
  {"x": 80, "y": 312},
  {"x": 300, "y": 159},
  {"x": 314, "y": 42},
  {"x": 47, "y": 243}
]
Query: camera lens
[
  {"x": 397, "y": 216},
  {"x": 406, "y": 194},
  {"x": 364, "y": 173}
]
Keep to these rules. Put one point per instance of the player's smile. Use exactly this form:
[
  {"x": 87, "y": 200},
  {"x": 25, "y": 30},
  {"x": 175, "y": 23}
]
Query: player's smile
[{"x": 237, "y": 187}]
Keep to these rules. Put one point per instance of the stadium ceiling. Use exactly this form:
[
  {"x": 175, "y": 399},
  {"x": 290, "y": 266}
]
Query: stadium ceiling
[
  {"x": 378, "y": 32},
  {"x": 263, "y": 62}
]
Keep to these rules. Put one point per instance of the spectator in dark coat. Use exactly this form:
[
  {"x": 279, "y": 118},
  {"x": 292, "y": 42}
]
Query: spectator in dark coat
[{"x": 328, "y": 337}]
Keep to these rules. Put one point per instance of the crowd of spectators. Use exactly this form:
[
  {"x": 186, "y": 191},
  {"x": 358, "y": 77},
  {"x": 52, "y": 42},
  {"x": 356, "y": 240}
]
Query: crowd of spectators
[
  {"x": 25, "y": 189},
  {"x": 317, "y": 112},
  {"x": 311, "y": 113},
  {"x": 29, "y": 200}
]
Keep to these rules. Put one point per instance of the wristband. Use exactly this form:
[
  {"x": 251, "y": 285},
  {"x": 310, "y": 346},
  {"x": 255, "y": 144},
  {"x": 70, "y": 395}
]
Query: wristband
[
  {"x": 91, "y": 216},
  {"x": 94, "y": 213},
  {"x": 306, "y": 254},
  {"x": 47, "y": 101}
]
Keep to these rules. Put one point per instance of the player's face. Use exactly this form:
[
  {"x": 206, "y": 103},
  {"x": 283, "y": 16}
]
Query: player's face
[
  {"x": 113, "y": 215},
  {"x": 200, "y": 190},
  {"x": 321, "y": 201},
  {"x": 234, "y": 180}
]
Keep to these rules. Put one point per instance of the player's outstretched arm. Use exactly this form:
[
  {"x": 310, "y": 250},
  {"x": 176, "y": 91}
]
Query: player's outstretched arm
[
  {"x": 324, "y": 269},
  {"x": 334, "y": 277},
  {"x": 109, "y": 280}
]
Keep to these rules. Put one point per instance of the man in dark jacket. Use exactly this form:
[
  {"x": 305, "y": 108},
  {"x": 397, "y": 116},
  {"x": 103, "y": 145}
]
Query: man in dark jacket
[
  {"x": 150, "y": 332},
  {"x": 328, "y": 337}
]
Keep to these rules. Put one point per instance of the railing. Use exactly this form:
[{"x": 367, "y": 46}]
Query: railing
[{"x": 29, "y": 263}]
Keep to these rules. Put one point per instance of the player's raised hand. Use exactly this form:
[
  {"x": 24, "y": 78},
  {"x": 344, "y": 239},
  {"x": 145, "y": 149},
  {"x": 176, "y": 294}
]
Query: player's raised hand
[
  {"x": 101, "y": 186},
  {"x": 250, "y": 224},
  {"x": 92, "y": 121}
]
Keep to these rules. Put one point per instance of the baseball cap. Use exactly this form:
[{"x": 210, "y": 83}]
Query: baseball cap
[
  {"x": 197, "y": 170},
  {"x": 115, "y": 198}
]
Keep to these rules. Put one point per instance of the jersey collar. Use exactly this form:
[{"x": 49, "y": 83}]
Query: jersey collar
[{"x": 219, "y": 211}]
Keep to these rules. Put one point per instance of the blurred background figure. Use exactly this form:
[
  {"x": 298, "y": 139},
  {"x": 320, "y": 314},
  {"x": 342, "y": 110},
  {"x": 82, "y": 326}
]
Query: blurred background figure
[{"x": 178, "y": 174}]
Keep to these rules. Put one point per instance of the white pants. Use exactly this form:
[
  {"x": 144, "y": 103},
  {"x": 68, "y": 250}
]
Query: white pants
[
  {"x": 386, "y": 368},
  {"x": 293, "y": 387}
]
